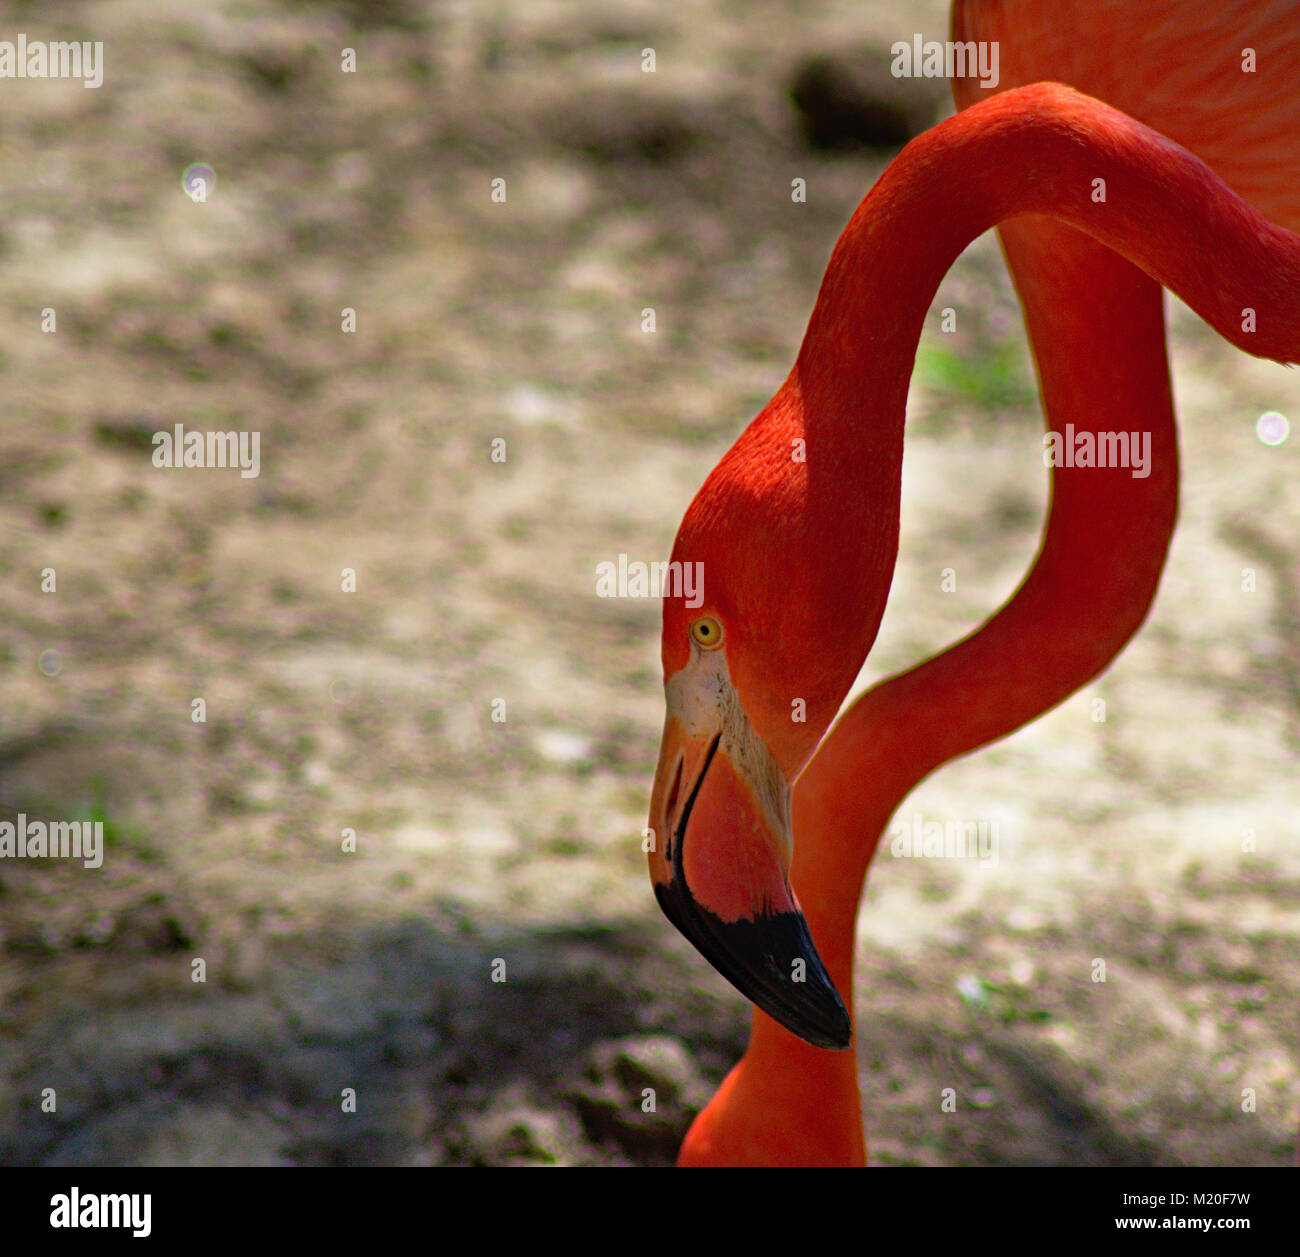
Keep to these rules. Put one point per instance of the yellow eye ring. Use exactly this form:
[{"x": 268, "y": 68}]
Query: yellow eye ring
[{"x": 706, "y": 633}]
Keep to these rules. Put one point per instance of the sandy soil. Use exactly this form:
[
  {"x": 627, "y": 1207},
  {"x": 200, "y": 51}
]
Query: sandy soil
[{"x": 371, "y": 711}]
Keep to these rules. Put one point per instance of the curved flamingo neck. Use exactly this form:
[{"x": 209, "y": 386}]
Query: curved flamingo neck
[
  {"x": 1096, "y": 324},
  {"x": 1097, "y": 330}
]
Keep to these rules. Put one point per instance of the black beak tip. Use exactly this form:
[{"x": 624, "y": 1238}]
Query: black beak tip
[
  {"x": 772, "y": 961},
  {"x": 827, "y": 1025}
]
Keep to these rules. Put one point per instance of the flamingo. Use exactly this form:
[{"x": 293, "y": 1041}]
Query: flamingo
[{"x": 797, "y": 526}]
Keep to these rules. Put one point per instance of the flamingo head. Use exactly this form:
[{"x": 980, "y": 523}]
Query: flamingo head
[{"x": 756, "y": 665}]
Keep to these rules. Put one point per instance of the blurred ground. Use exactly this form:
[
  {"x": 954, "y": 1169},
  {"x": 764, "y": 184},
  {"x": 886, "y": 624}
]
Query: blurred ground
[{"x": 371, "y": 711}]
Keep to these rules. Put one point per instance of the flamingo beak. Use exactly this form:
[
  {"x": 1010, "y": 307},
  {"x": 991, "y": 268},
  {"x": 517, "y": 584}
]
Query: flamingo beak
[{"x": 720, "y": 819}]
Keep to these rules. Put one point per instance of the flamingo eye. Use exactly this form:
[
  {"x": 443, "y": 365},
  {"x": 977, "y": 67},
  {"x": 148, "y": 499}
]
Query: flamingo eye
[{"x": 706, "y": 633}]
